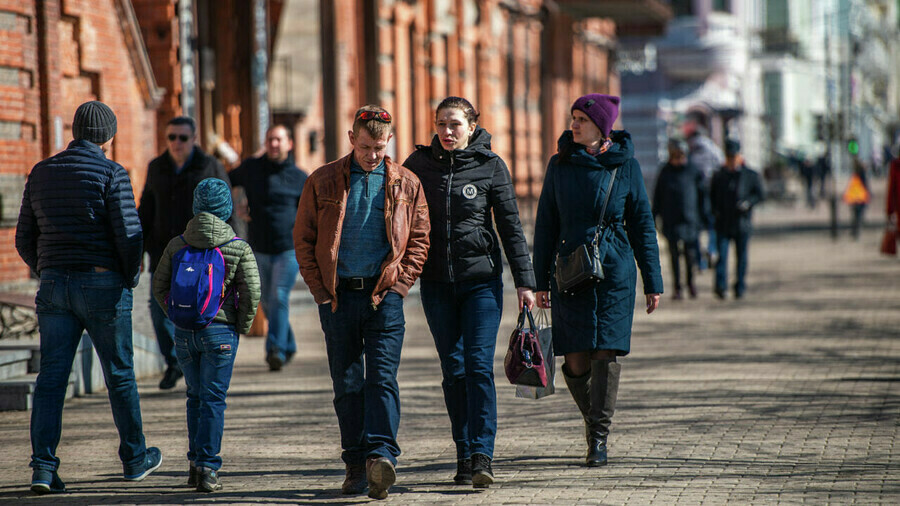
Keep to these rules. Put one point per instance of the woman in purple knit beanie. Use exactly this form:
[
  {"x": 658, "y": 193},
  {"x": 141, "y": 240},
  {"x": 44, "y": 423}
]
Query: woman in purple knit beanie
[{"x": 592, "y": 323}]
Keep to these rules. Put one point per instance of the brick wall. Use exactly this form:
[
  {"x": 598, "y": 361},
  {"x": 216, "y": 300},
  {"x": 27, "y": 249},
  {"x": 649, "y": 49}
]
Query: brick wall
[
  {"x": 520, "y": 63},
  {"x": 54, "y": 55}
]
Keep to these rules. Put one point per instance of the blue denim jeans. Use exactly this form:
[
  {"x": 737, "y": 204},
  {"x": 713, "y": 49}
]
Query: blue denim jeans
[
  {"x": 207, "y": 359},
  {"x": 464, "y": 318},
  {"x": 277, "y": 275},
  {"x": 164, "y": 329},
  {"x": 68, "y": 303},
  {"x": 741, "y": 243},
  {"x": 363, "y": 346}
]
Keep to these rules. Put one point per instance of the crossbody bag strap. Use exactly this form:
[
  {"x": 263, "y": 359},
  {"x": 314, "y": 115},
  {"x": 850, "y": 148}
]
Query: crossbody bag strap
[{"x": 612, "y": 180}]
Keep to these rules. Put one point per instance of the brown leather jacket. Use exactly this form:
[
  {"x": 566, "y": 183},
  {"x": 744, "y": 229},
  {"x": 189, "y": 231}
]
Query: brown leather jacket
[{"x": 320, "y": 218}]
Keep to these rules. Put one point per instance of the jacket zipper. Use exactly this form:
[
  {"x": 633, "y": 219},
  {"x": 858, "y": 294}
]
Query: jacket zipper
[{"x": 449, "y": 224}]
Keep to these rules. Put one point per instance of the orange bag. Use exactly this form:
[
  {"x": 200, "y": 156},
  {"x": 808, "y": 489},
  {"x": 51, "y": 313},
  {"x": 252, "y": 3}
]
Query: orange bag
[{"x": 856, "y": 192}]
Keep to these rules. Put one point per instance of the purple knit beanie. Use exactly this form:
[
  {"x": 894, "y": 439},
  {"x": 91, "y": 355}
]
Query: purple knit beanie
[{"x": 602, "y": 109}]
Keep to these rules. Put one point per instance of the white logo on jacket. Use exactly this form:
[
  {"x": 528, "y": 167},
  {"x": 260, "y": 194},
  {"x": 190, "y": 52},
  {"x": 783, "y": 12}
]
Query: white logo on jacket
[{"x": 469, "y": 191}]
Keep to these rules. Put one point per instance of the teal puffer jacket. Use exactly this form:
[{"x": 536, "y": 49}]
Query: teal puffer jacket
[{"x": 207, "y": 231}]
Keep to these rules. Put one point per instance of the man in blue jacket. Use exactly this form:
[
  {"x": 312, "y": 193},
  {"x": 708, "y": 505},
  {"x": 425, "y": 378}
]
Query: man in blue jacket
[
  {"x": 273, "y": 185},
  {"x": 79, "y": 231}
]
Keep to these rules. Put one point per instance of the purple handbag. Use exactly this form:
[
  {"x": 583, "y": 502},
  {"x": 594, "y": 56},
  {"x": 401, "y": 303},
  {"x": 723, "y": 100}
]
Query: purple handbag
[{"x": 524, "y": 361}]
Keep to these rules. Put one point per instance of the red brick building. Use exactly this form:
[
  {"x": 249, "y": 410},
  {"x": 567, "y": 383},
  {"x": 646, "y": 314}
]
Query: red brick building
[
  {"x": 56, "y": 54},
  {"x": 521, "y": 62}
]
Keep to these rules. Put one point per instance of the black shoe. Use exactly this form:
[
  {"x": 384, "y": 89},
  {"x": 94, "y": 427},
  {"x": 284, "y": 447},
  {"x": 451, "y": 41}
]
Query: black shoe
[
  {"x": 720, "y": 294},
  {"x": 677, "y": 295},
  {"x": 596, "y": 455},
  {"x": 355, "y": 480},
  {"x": 463, "y": 472},
  {"x": 288, "y": 357},
  {"x": 207, "y": 480},
  {"x": 274, "y": 362},
  {"x": 381, "y": 475},
  {"x": 482, "y": 474},
  {"x": 152, "y": 461},
  {"x": 170, "y": 378},
  {"x": 692, "y": 291},
  {"x": 192, "y": 476},
  {"x": 46, "y": 482}
]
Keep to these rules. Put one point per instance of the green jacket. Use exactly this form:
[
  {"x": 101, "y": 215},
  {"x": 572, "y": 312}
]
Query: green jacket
[{"x": 206, "y": 231}]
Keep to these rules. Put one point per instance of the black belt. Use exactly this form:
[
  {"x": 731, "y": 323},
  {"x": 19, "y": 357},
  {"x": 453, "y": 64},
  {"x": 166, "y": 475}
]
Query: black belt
[
  {"x": 357, "y": 284},
  {"x": 85, "y": 268}
]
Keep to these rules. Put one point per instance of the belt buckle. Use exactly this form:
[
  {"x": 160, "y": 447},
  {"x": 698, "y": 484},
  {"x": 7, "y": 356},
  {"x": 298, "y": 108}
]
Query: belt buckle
[{"x": 357, "y": 283}]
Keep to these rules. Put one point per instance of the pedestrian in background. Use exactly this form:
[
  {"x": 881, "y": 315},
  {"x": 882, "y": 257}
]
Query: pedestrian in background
[
  {"x": 469, "y": 190},
  {"x": 679, "y": 198},
  {"x": 165, "y": 210},
  {"x": 78, "y": 229},
  {"x": 361, "y": 237},
  {"x": 593, "y": 327},
  {"x": 893, "y": 189},
  {"x": 857, "y": 196},
  {"x": 735, "y": 190},
  {"x": 207, "y": 355},
  {"x": 707, "y": 157},
  {"x": 273, "y": 184}
]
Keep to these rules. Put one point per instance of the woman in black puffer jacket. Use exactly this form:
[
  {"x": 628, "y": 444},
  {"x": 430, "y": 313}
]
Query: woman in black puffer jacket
[{"x": 465, "y": 182}]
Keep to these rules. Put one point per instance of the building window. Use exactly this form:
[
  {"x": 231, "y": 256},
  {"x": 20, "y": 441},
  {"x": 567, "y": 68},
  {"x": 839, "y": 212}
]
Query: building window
[
  {"x": 772, "y": 97},
  {"x": 683, "y": 7},
  {"x": 776, "y": 14}
]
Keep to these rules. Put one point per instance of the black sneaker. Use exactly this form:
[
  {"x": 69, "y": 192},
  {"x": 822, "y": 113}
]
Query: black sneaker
[
  {"x": 381, "y": 475},
  {"x": 274, "y": 361},
  {"x": 46, "y": 482},
  {"x": 207, "y": 480},
  {"x": 355, "y": 480},
  {"x": 170, "y": 378},
  {"x": 463, "y": 472},
  {"x": 152, "y": 461},
  {"x": 192, "y": 476},
  {"x": 482, "y": 474}
]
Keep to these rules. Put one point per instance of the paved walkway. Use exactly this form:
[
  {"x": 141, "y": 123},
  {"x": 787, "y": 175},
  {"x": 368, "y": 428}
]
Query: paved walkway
[{"x": 790, "y": 395}]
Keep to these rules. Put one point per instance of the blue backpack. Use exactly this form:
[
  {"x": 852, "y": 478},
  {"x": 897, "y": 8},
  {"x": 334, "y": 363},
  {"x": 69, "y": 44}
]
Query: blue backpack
[{"x": 197, "y": 290}]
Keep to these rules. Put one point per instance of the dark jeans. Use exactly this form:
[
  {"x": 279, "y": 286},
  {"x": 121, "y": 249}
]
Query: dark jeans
[
  {"x": 464, "y": 318},
  {"x": 741, "y": 243},
  {"x": 677, "y": 250},
  {"x": 277, "y": 275},
  {"x": 68, "y": 303},
  {"x": 363, "y": 346},
  {"x": 164, "y": 330},
  {"x": 207, "y": 359}
]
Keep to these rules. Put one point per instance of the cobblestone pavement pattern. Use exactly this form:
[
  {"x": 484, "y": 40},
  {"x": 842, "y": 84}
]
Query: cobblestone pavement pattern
[{"x": 791, "y": 395}]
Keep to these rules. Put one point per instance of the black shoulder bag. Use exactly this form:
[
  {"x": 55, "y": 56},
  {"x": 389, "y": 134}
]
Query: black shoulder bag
[{"x": 583, "y": 267}]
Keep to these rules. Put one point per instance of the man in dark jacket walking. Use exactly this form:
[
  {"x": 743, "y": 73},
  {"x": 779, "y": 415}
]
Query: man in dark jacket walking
[
  {"x": 679, "y": 197},
  {"x": 273, "y": 185},
  {"x": 734, "y": 191},
  {"x": 79, "y": 231},
  {"x": 165, "y": 210}
]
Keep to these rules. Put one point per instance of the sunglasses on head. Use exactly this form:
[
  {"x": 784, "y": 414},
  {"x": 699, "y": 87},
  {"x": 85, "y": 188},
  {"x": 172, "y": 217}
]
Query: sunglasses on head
[
  {"x": 182, "y": 137},
  {"x": 382, "y": 116}
]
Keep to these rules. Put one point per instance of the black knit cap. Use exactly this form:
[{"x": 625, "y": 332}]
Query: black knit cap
[{"x": 95, "y": 122}]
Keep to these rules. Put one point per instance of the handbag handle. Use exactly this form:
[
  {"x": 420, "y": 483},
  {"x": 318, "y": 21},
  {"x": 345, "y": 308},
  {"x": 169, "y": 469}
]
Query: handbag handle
[
  {"x": 522, "y": 314},
  {"x": 612, "y": 180}
]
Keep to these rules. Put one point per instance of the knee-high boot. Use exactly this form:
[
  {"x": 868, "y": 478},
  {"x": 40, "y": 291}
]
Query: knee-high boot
[
  {"x": 580, "y": 388},
  {"x": 603, "y": 391}
]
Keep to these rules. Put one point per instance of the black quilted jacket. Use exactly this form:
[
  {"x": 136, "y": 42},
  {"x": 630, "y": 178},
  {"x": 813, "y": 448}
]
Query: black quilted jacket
[
  {"x": 78, "y": 211},
  {"x": 463, "y": 188}
]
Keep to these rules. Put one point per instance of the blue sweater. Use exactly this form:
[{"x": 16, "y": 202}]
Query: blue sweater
[{"x": 364, "y": 243}]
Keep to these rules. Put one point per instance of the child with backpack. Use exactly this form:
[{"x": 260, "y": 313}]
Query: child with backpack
[{"x": 208, "y": 284}]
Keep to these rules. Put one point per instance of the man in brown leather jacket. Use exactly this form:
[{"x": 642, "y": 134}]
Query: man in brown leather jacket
[{"x": 361, "y": 237}]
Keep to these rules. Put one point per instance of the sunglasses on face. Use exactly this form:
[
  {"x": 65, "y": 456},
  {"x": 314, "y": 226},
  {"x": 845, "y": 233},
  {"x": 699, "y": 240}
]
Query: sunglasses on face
[
  {"x": 182, "y": 137},
  {"x": 383, "y": 116}
]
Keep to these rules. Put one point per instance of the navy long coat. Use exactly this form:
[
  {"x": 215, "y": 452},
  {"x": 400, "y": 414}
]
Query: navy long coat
[{"x": 598, "y": 318}]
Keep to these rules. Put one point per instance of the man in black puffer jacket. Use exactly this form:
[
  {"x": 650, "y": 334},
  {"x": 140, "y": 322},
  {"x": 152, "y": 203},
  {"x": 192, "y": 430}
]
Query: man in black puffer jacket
[
  {"x": 79, "y": 230},
  {"x": 166, "y": 208}
]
